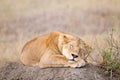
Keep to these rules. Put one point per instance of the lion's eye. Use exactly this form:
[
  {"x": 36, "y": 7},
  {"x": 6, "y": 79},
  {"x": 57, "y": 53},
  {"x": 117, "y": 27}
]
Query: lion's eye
[{"x": 71, "y": 46}]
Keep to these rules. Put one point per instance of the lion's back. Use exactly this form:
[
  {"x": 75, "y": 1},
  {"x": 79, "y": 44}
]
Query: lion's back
[{"x": 33, "y": 50}]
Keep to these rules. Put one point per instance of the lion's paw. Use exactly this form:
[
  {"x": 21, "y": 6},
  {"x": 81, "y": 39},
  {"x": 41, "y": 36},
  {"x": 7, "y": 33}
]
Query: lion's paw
[{"x": 79, "y": 64}]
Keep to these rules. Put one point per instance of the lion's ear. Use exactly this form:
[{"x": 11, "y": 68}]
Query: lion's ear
[{"x": 65, "y": 38}]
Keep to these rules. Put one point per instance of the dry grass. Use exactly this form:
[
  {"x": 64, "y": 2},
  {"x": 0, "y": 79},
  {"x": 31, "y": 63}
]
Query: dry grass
[{"x": 10, "y": 51}]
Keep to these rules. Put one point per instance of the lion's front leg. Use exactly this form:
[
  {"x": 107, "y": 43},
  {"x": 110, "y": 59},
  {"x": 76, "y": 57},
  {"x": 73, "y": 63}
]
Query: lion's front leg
[
  {"x": 59, "y": 61},
  {"x": 53, "y": 61}
]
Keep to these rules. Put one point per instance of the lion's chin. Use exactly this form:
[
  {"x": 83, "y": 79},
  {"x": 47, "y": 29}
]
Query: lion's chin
[{"x": 73, "y": 60}]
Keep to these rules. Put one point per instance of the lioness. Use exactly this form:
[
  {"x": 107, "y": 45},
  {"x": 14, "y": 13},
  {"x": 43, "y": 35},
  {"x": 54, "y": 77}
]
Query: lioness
[{"x": 56, "y": 49}]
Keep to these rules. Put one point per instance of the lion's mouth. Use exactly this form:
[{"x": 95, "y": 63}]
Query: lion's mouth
[{"x": 72, "y": 59}]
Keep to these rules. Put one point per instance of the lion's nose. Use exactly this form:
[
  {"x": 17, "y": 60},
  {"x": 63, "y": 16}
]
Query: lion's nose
[{"x": 74, "y": 56}]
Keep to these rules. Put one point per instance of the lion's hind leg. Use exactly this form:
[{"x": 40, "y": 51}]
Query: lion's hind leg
[{"x": 28, "y": 60}]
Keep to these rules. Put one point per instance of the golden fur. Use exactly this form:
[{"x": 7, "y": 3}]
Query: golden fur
[{"x": 56, "y": 49}]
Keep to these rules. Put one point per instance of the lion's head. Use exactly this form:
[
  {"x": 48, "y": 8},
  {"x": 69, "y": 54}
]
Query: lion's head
[{"x": 72, "y": 47}]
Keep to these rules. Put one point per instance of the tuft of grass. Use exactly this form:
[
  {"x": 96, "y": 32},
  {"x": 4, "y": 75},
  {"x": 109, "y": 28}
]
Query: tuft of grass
[
  {"x": 111, "y": 56},
  {"x": 111, "y": 63}
]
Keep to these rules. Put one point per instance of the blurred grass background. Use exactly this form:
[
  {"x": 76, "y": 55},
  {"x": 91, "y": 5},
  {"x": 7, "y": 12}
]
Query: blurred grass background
[
  {"x": 21, "y": 20},
  {"x": 20, "y": 8}
]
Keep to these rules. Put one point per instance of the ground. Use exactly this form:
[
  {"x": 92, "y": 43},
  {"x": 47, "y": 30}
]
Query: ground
[{"x": 16, "y": 71}]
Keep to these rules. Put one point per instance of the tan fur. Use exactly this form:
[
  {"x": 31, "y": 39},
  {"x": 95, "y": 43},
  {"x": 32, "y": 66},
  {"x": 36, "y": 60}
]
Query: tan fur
[{"x": 55, "y": 50}]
